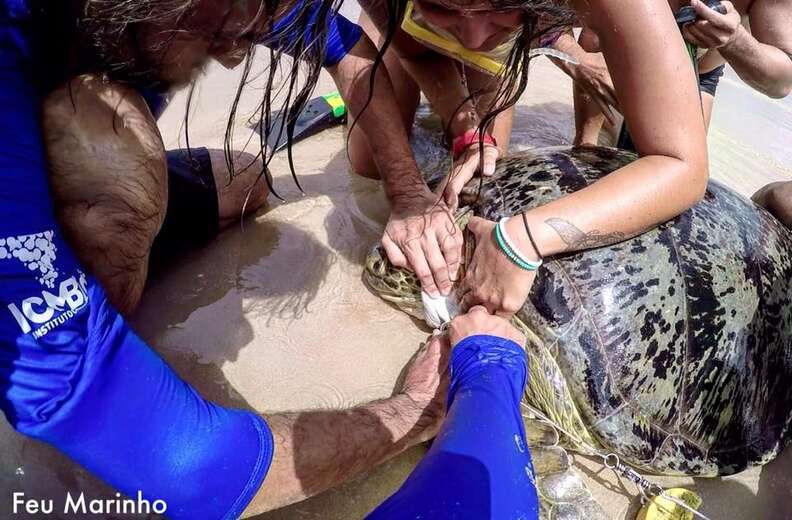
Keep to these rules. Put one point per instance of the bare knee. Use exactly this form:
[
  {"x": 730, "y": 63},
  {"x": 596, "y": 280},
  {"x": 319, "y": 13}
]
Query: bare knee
[
  {"x": 361, "y": 160},
  {"x": 776, "y": 197},
  {"x": 109, "y": 180},
  {"x": 242, "y": 193}
]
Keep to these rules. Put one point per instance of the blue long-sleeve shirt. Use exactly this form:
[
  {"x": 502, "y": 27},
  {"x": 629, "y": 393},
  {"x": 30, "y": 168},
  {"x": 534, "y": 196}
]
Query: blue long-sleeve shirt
[{"x": 72, "y": 372}]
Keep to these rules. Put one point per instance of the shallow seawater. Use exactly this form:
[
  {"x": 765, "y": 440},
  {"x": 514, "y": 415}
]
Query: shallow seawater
[{"x": 760, "y": 124}]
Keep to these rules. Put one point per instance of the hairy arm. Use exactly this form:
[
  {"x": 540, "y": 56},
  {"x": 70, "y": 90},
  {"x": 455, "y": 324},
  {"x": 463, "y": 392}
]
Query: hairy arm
[
  {"x": 380, "y": 121},
  {"x": 763, "y": 57},
  {"x": 315, "y": 451},
  {"x": 658, "y": 95}
]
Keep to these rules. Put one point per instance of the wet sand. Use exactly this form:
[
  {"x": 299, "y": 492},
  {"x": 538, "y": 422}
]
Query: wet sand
[{"x": 273, "y": 316}]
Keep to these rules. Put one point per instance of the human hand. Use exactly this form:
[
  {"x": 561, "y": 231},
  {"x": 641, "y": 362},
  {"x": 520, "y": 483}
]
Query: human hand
[
  {"x": 478, "y": 321},
  {"x": 491, "y": 279},
  {"x": 422, "y": 235},
  {"x": 426, "y": 384},
  {"x": 465, "y": 167},
  {"x": 713, "y": 30},
  {"x": 592, "y": 75}
]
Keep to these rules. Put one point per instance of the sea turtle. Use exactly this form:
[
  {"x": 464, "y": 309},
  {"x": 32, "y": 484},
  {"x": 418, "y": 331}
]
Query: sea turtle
[{"x": 672, "y": 349}]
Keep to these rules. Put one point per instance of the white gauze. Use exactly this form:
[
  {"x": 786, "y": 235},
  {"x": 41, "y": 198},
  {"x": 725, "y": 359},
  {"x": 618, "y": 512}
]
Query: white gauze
[{"x": 439, "y": 310}]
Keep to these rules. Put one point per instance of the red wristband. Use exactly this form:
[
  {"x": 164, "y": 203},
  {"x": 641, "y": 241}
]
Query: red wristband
[{"x": 471, "y": 137}]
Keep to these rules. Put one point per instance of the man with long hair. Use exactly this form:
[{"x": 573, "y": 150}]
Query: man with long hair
[
  {"x": 110, "y": 175},
  {"x": 79, "y": 83}
]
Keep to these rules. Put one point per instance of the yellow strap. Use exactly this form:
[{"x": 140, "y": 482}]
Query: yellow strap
[{"x": 452, "y": 48}]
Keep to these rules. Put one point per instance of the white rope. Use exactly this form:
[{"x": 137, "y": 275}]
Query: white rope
[{"x": 612, "y": 461}]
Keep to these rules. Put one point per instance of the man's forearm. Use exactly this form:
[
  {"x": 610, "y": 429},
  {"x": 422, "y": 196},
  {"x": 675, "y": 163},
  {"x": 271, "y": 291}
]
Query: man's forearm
[
  {"x": 314, "y": 451},
  {"x": 381, "y": 120},
  {"x": 766, "y": 68}
]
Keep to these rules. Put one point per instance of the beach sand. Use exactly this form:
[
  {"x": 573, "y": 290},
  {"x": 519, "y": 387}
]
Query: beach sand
[{"x": 273, "y": 315}]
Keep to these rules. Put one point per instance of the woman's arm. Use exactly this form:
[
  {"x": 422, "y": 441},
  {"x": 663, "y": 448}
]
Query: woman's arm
[
  {"x": 590, "y": 72},
  {"x": 658, "y": 95},
  {"x": 437, "y": 76},
  {"x": 439, "y": 79}
]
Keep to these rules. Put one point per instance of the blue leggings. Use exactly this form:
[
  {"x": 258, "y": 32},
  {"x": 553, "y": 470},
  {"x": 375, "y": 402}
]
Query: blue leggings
[{"x": 479, "y": 466}]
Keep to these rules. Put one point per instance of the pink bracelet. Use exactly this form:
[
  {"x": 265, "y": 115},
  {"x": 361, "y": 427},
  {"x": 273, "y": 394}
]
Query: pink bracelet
[{"x": 471, "y": 137}]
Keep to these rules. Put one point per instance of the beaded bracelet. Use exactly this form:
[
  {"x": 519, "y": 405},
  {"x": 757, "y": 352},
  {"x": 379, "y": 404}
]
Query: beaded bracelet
[{"x": 511, "y": 252}]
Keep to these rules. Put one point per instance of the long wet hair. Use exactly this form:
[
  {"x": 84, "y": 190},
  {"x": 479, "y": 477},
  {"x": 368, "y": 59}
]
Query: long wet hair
[
  {"x": 299, "y": 75},
  {"x": 541, "y": 18},
  {"x": 106, "y": 34}
]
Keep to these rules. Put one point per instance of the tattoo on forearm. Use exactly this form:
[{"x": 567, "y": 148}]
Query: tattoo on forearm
[{"x": 576, "y": 239}]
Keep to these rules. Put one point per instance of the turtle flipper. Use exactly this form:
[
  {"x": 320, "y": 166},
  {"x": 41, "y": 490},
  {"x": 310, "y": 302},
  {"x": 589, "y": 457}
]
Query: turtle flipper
[{"x": 563, "y": 495}]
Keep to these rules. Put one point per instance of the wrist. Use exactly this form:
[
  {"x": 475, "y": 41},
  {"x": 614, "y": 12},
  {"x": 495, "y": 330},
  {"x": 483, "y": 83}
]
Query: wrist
[
  {"x": 469, "y": 139},
  {"x": 408, "y": 202},
  {"x": 406, "y": 189},
  {"x": 465, "y": 119},
  {"x": 413, "y": 418},
  {"x": 737, "y": 42},
  {"x": 516, "y": 229}
]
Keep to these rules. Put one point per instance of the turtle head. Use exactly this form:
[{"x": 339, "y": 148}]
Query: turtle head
[
  {"x": 393, "y": 284},
  {"x": 401, "y": 287}
]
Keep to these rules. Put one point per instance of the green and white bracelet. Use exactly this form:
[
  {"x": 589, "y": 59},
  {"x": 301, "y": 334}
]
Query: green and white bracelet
[{"x": 511, "y": 252}]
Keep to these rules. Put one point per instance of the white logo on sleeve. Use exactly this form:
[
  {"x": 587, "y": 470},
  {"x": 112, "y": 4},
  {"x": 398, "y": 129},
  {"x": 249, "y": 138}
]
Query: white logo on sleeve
[
  {"x": 37, "y": 252},
  {"x": 54, "y": 306}
]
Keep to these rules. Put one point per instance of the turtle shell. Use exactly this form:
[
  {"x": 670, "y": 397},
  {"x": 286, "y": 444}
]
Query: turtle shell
[{"x": 675, "y": 346}]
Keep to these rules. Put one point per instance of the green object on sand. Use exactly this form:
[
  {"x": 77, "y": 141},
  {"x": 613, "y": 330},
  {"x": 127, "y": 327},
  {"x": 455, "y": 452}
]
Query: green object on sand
[{"x": 320, "y": 113}]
